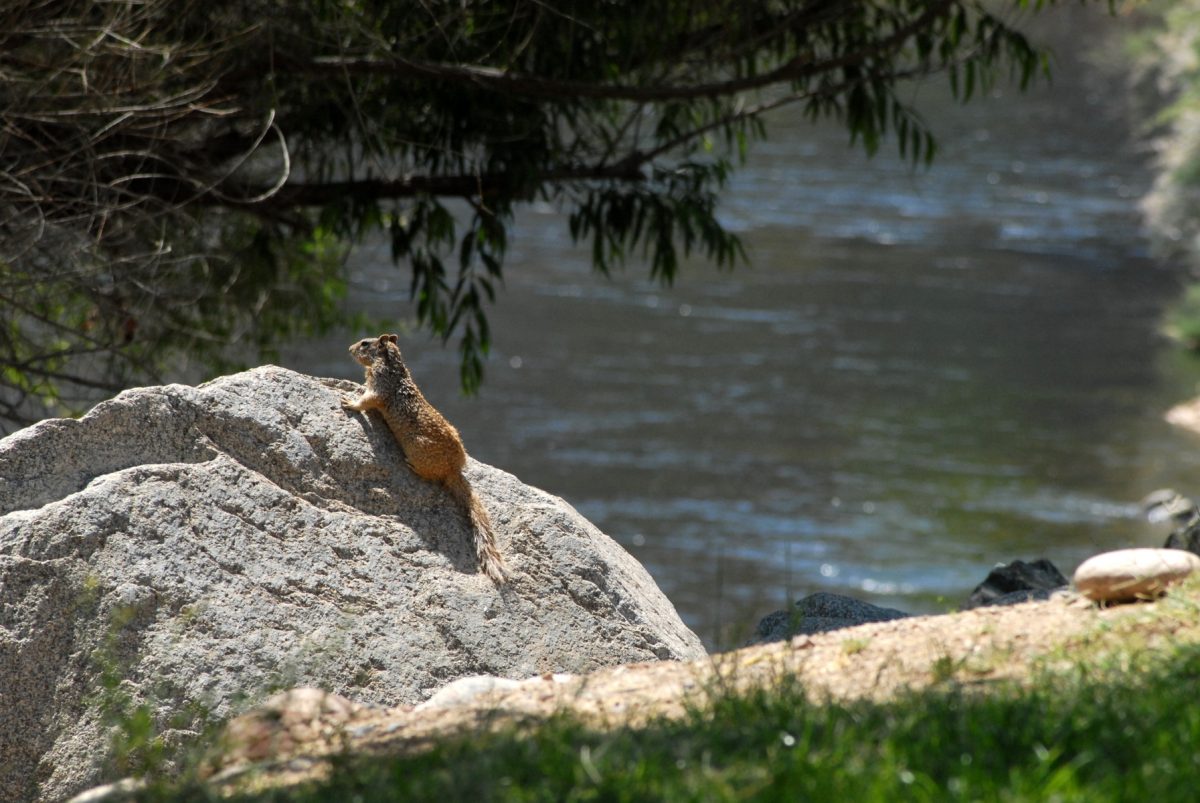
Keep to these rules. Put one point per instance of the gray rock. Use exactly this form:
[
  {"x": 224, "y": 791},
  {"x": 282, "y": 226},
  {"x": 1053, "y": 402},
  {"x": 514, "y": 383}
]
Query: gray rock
[
  {"x": 1168, "y": 505},
  {"x": 215, "y": 543},
  {"x": 1016, "y": 582},
  {"x": 820, "y": 613},
  {"x": 1181, "y": 513}
]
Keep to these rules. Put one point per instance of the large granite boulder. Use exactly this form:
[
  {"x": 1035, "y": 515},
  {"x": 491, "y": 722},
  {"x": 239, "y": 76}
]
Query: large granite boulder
[{"x": 200, "y": 547}]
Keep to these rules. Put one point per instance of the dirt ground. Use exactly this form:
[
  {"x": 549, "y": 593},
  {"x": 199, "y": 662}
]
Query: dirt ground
[{"x": 285, "y": 740}]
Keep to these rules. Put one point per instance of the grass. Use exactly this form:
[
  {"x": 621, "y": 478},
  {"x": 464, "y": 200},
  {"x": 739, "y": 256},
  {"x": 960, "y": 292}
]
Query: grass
[{"x": 1094, "y": 736}]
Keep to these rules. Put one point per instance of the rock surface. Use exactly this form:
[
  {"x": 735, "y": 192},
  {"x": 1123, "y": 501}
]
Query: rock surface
[
  {"x": 290, "y": 719},
  {"x": 214, "y": 542},
  {"x": 820, "y": 613},
  {"x": 1129, "y": 574},
  {"x": 1016, "y": 582}
]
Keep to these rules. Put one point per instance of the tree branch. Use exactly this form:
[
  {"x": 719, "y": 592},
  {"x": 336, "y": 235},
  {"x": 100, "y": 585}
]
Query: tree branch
[
  {"x": 463, "y": 186},
  {"x": 795, "y": 69}
]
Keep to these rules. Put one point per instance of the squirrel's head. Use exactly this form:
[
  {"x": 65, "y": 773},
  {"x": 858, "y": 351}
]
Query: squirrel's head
[{"x": 373, "y": 350}]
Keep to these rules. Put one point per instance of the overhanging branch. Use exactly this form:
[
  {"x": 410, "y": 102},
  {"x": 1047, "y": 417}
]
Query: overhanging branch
[
  {"x": 798, "y": 68},
  {"x": 300, "y": 194}
]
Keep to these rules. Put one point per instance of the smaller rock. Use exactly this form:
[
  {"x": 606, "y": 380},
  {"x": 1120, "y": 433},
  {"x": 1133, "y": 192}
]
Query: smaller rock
[
  {"x": 1129, "y": 574},
  {"x": 1011, "y": 583},
  {"x": 465, "y": 689},
  {"x": 1186, "y": 538},
  {"x": 124, "y": 789},
  {"x": 1168, "y": 505},
  {"x": 820, "y": 613}
]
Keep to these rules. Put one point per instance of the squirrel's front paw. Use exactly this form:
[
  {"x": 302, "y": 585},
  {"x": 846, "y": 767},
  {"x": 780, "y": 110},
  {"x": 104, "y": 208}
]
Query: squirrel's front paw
[{"x": 350, "y": 404}]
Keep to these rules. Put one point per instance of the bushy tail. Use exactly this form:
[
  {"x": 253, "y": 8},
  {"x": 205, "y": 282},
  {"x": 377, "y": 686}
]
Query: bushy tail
[{"x": 490, "y": 561}]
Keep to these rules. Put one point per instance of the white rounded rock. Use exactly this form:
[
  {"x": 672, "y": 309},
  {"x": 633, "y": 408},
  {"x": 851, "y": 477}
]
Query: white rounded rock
[{"x": 1129, "y": 574}]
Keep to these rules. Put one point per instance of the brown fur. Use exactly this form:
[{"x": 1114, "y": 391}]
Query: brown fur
[{"x": 431, "y": 445}]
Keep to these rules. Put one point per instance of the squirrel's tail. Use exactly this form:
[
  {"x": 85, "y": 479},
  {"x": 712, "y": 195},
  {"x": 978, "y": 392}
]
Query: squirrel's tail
[{"x": 490, "y": 561}]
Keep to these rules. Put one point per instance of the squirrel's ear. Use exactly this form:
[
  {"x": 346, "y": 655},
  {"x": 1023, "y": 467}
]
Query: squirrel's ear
[{"x": 390, "y": 338}]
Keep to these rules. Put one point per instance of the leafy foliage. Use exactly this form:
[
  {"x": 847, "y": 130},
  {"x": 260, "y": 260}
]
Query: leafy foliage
[
  {"x": 181, "y": 179},
  {"x": 1167, "y": 74}
]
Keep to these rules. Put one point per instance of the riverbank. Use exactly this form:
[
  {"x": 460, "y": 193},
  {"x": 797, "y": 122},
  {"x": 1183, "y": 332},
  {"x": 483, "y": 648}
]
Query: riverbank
[{"x": 1056, "y": 698}]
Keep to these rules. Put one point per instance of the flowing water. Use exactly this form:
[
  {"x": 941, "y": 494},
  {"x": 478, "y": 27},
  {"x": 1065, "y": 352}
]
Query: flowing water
[{"x": 922, "y": 373}]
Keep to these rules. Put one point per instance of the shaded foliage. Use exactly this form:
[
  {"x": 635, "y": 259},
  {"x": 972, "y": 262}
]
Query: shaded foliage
[
  {"x": 181, "y": 180},
  {"x": 1166, "y": 80}
]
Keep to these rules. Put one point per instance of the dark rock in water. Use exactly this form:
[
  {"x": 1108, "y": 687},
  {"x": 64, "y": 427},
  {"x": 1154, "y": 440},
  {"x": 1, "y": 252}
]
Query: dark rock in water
[
  {"x": 1185, "y": 538},
  {"x": 1169, "y": 506},
  {"x": 1017, "y": 582},
  {"x": 820, "y": 613}
]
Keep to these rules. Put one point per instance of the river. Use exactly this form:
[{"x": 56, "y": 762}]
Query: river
[{"x": 921, "y": 374}]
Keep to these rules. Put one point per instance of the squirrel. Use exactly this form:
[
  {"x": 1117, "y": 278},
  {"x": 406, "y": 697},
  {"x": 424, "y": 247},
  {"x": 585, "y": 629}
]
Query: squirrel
[{"x": 431, "y": 445}]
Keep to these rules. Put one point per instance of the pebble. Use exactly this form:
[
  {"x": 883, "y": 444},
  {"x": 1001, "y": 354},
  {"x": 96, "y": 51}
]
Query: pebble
[
  {"x": 121, "y": 790},
  {"x": 1129, "y": 574},
  {"x": 464, "y": 689}
]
